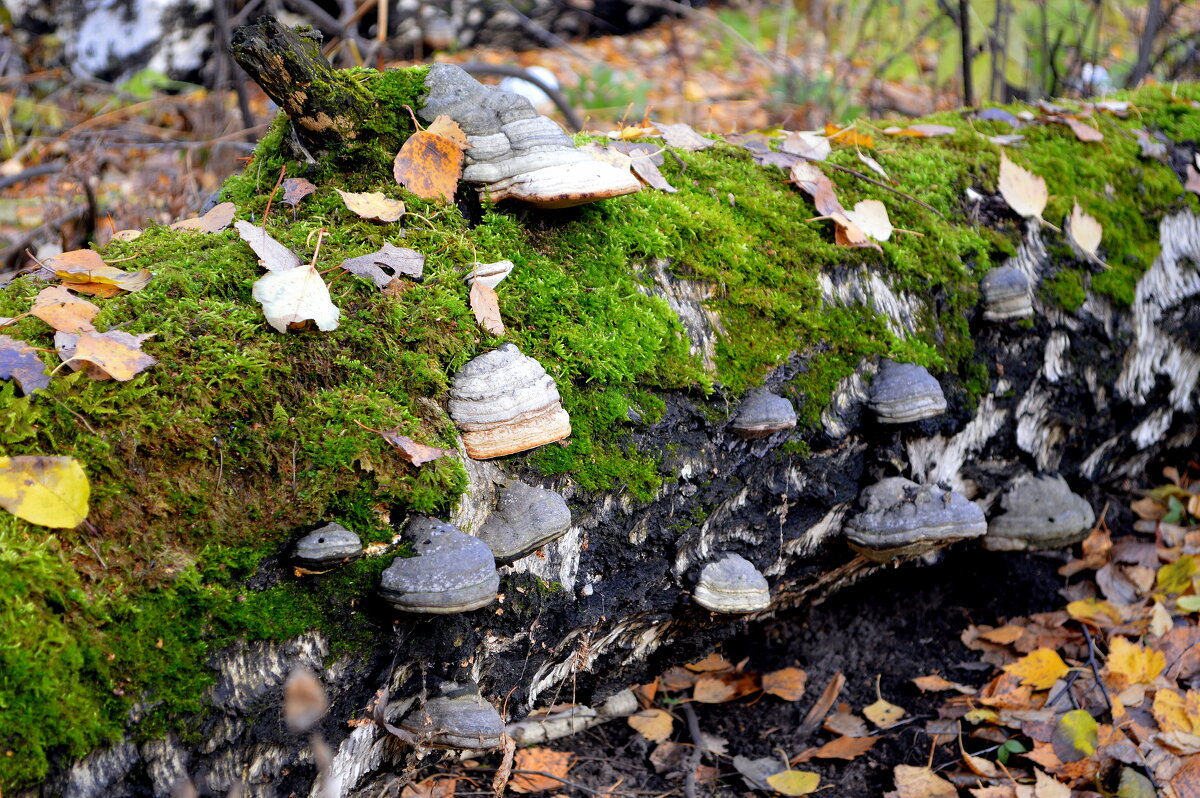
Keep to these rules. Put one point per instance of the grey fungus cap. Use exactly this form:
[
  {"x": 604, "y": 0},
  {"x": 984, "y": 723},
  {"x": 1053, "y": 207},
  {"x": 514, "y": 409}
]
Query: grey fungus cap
[
  {"x": 900, "y": 517},
  {"x": 327, "y": 546},
  {"x": 453, "y": 572},
  {"x": 761, "y": 414},
  {"x": 905, "y": 392},
  {"x": 457, "y": 717},
  {"x": 1039, "y": 512},
  {"x": 526, "y": 519},
  {"x": 732, "y": 584},
  {"x": 1006, "y": 295}
]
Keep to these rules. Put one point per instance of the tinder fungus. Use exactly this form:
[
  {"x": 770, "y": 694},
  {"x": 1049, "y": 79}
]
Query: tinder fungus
[
  {"x": 762, "y": 414},
  {"x": 905, "y": 392},
  {"x": 900, "y": 517},
  {"x": 526, "y": 519},
  {"x": 327, "y": 546},
  {"x": 1006, "y": 295},
  {"x": 1039, "y": 512},
  {"x": 456, "y": 716},
  {"x": 732, "y": 584},
  {"x": 514, "y": 152},
  {"x": 505, "y": 402},
  {"x": 453, "y": 572}
]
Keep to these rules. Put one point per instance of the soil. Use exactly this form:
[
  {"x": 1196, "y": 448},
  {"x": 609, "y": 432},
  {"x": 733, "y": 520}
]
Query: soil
[{"x": 903, "y": 623}]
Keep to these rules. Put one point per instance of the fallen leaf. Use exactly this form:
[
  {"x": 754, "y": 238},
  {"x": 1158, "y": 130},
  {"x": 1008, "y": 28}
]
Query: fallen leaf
[
  {"x": 1075, "y": 736},
  {"x": 821, "y": 708},
  {"x": 1176, "y": 577},
  {"x": 809, "y": 145},
  {"x": 19, "y": 362},
  {"x": 713, "y": 662},
  {"x": 682, "y": 136},
  {"x": 645, "y": 159},
  {"x": 935, "y": 683},
  {"x": 787, "y": 683},
  {"x": 1187, "y": 781},
  {"x": 977, "y": 764},
  {"x": 114, "y": 354},
  {"x": 1006, "y": 139},
  {"x": 1084, "y": 232},
  {"x": 1192, "y": 183},
  {"x": 485, "y": 304},
  {"x": 1101, "y": 613},
  {"x": 883, "y": 713},
  {"x": 273, "y": 256},
  {"x": 922, "y": 131},
  {"x": 296, "y": 189},
  {"x": 304, "y": 700},
  {"x": 386, "y": 264},
  {"x": 64, "y": 311},
  {"x": 47, "y": 491},
  {"x": 372, "y": 205},
  {"x": 94, "y": 281},
  {"x": 846, "y": 723},
  {"x": 1002, "y": 791},
  {"x": 1039, "y": 669},
  {"x": 755, "y": 772},
  {"x": 557, "y": 763},
  {"x": 1133, "y": 664},
  {"x": 429, "y": 166},
  {"x": 677, "y": 679},
  {"x": 653, "y": 724},
  {"x": 437, "y": 787},
  {"x": 874, "y": 166},
  {"x": 295, "y": 296},
  {"x": 669, "y": 756},
  {"x": 1082, "y": 132},
  {"x": 998, "y": 115},
  {"x": 1170, "y": 709},
  {"x": 848, "y": 137},
  {"x": 1047, "y": 787},
  {"x": 1024, "y": 191},
  {"x": 794, "y": 782},
  {"x": 446, "y": 127},
  {"x": 217, "y": 219},
  {"x": 717, "y": 688},
  {"x": 1181, "y": 743},
  {"x": 871, "y": 217},
  {"x": 416, "y": 453},
  {"x": 812, "y": 181},
  {"x": 1151, "y": 148},
  {"x": 1135, "y": 785},
  {"x": 845, "y": 747},
  {"x": 75, "y": 260},
  {"x": 1003, "y": 635},
  {"x": 915, "y": 782}
]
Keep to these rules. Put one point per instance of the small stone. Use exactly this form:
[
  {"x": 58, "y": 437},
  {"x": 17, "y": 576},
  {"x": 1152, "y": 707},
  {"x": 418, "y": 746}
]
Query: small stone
[
  {"x": 328, "y": 546},
  {"x": 1039, "y": 512},
  {"x": 1006, "y": 295},
  {"x": 526, "y": 519},
  {"x": 457, "y": 717},
  {"x": 762, "y": 414},
  {"x": 902, "y": 518},
  {"x": 732, "y": 584},
  {"x": 490, "y": 274},
  {"x": 905, "y": 392},
  {"x": 453, "y": 572}
]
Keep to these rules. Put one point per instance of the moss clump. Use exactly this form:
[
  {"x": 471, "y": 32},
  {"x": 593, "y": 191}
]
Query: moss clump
[{"x": 1065, "y": 289}]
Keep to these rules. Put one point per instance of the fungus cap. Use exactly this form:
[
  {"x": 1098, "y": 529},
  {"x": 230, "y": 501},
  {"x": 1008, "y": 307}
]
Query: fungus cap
[
  {"x": 453, "y": 572},
  {"x": 905, "y": 392},
  {"x": 900, "y": 517},
  {"x": 1039, "y": 512},
  {"x": 525, "y": 519},
  {"x": 327, "y": 546},
  {"x": 761, "y": 414},
  {"x": 457, "y": 717},
  {"x": 1006, "y": 295},
  {"x": 732, "y": 584}
]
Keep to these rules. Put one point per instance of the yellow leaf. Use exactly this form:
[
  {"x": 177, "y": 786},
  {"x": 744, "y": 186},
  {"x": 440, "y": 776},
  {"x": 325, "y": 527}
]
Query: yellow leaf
[
  {"x": 48, "y": 491},
  {"x": 373, "y": 205},
  {"x": 64, "y": 311},
  {"x": 713, "y": 662},
  {"x": 882, "y": 713},
  {"x": 447, "y": 128},
  {"x": 1075, "y": 736},
  {"x": 1133, "y": 664},
  {"x": 794, "y": 782},
  {"x": 115, "y": 354},
  {"x": 1170, "y": 712},
  {"x": 787, "y": 683},
  {"x": 653, "y": 724},
  {"x": 1176, "y": 577},
  {"x": 1024, "y": 191},
  {"x": 545, "y": 760},
  {"x": 429, "y": 166},
  {"x": 1095, "y": 610},
  {"x": 1039, "y": 669},
  {"x": 915, "y": 782}
]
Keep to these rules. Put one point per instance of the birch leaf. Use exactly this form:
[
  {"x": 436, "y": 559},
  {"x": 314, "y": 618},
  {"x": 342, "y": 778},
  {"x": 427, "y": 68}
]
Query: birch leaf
[
  {"x": 1024, "y": 191},
  {"x": 112, "y": 355},
  {"x": 485, "y": 304},
  {"x": 372, "y": 205},
  {"x": 1085, "y": 232},
  {"x": 273, "y": 256},
  {"x": 64, "y": 311},
  {"x": 48, "y": 491},
  {"x": 292, "y": 297},
  {"x": 871, "y": 217},
  {"x": 217, "y": 219}
]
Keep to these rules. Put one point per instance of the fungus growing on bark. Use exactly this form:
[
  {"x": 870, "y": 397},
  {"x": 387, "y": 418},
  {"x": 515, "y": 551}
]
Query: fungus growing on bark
[
  {"x": 761, "y": 414},
  {"x": 900, "y": 517},
  {"x": 457, "y": 717},
  {"x": 453, "y": 572},
  {"x": 526, "y": 519},
  {"x": 327, "y": 546},
  {"x": 1039, "y": 512},
  {"x": 1006, "y": 295},
  {"x": 504, "y": 402},
  {"x": 732, "y": 584},
  {"x": 905, "y": 392}
]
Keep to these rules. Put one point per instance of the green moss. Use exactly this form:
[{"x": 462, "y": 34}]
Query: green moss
[{"x": 1065, "y": 289}]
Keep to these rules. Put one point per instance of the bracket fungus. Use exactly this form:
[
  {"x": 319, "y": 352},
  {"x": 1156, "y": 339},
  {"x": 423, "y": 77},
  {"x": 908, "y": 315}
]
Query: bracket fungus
[
  {"x": 1006, "y": 295},
  {"x": 1039, "y": 512},
  {"x": 732, "y": 584},
  {"x": 457, "y": 717},
  {"x": 505, "y": 402},
  {"x": 453, "y": 572},
  {"x": 761, "y": 414},
  {"x": 327, "y": 546},
  {"x": 905, "y": 392},
  {"x": 514, "y": 152},
  {"x": 900, "y": 517},
  {"x": 526, "y": 519}
]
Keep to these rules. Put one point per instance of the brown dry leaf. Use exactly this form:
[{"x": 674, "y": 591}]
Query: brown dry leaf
[
  {"x": 1003, "y": 791},
  {"x": 296, "y": 189},
  {"x": 19, "y": 362},
  {"x": 883, "y": 713},
  {"x": 915, "y": 782},
  {"x": 75, "y": 260},
  {"x": 1130, "y": 663},
  {"x": 682, "y": 136},
  {"x": 217, "y": 219},
  {"x": 787, "y": 683},
  {"x": 1084, "y": 232},
  {"x": 114, "y": 354},
  {"x": 653, "y": 724},
  {"x": 1039, "y": 669},
  {"x": 978, "y": 765},
  {"x": 436, "y": 787},
  {"x": 273, "y": 256},
  {"x": 416, "y": 453},
  {"x": 845, "y": 747},
  {"x": 64, "y": 311},
  {"x": 934, "y": 684},
  {"x": 668, "y": 756},
  {"x": 1024, "y": 191},
  {"x": 848, "y": 137},
  {"x": 676, "y": 679},
  {"x": 645, "y": 159},
  {"x": 1003, "y": 635},
  {"x": 871, "y": 217},
  {"x": 717, "y": 688},
  {"x": 387, "y": 264},
  {"x": 713, "y": 662},
  {"x": 820, "y": 709},
  {"x": 812, "y": 181},
  {"x": 1187, "y": 781},
  {"x": 874, "y": 166},
  {"x": 84, "y": 267},
  {"x": 429, "y": 166},
  {"x": 1047, "y": 787},
  {"x": 1082, "y": 132},
  {"x": 372, "y": 205},
  {"x": 845, "y": 722},
  {"x": 485, "y": 304},
  {"x": 557, "y": 763},
  {"x": 922, "y": 131},
  {"x": 808, "y": 145},
  {"x": 304, "y": 700},
  {"x": 443, "y": 125}
]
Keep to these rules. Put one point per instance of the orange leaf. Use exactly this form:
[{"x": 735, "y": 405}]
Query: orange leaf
[
  {"x": 848, "y": 137},
  {"x": 717, "y": 688},
  {"x": 713, "y": 662},
  {"x": 1039, "y": 669},
  {"x": 429, "y": 166},
  {"x": 935, "y": 684},
  {"x": 64, "y": 311},
  {"x": 839, "y": 748},
  {"x": 556, "y": 763},
  {"x": 787, "y": 683},
  {"x": 416, "y": 453},
  {"x": 653, "y": 724},
  {"x": 1003, "y": 635},
  {"x": 447, "y": 128},
  {"x": 922, "y": 131}
]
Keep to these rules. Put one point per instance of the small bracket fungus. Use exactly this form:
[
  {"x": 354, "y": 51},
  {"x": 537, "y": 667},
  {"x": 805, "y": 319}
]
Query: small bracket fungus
[
  {"x": 905, "y": 392},
  {"x": 457, "y": 717},
  {"x": 900, "y": 518},
  {"x": 326, "y": 547},
  {"x": 526, "y": 519},
  {"x": 762, "y": 414},
  {"x": 1039, "y": 512},
  {"x": 1006, "y": 295},
  {"x": 515, "y": 153},
  {"x": 732, "y": 584},
  {"x": 454, "y": 571},
  {"x": 505, "y": 402}
]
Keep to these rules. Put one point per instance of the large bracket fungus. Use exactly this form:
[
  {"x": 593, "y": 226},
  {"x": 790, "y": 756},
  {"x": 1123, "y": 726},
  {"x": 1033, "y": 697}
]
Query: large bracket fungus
[
  {"x": 902, "y": 518},
  {"x": 761, "y": 414},
  {"x": 732, "y": 584},
  {"x": 454, "y": 571},
  {"x": 457, "y": 716},
  {"x": 1039, "y": 512},
  {"x": 526, "y": 519},
  {"x": 905, "y": 392},
  {"x": 327, "y": 546},
  {"x": 1006, "y": 295}
]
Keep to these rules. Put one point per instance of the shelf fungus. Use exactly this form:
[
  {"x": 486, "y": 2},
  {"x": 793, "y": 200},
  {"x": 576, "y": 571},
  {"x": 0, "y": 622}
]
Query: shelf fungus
[
  {"x": 1039, "y": 512},
  {"x": 1006, "y": 295},
  {"x": 514, "y": 152},
  {"x": 901, "y": 518},
  {"x": 732, "y": 584},
  {"x": 526, "y": 519},
  {"x": 457, "y": 716},
  {"x": 453, "y": 572},
  {"x": 905, "y": 392},
  {"x": 761, "y": 414},
  {"x": 326, "y": 547},
  {"x": 505, "y": 402}
]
